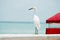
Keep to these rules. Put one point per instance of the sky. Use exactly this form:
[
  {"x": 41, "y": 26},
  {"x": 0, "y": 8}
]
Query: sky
[{"x": 17, "y": 10}]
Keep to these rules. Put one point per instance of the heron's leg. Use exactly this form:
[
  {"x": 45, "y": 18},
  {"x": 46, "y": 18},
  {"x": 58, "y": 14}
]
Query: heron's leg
[{"x": 36, "y": 30}]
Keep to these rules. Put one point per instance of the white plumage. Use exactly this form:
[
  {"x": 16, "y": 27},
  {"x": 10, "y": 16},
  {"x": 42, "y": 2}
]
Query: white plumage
[{"x": 36, "y": 21}]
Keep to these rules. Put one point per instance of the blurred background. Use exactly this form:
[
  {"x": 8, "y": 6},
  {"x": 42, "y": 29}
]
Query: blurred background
[{"x": 15, "y": 18}]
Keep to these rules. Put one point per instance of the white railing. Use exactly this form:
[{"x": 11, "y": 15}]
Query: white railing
[{"x": 27, "y": 35}]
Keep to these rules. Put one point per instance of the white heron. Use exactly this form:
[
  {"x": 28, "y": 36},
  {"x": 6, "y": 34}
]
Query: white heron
[{"x": 35, "y": 19}]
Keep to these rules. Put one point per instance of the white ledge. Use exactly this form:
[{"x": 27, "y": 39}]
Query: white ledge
[{"x": 27, "y": 35}]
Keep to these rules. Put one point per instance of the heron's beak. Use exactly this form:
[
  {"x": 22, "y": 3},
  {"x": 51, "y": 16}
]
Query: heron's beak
[{"x": 31, "y": 9}]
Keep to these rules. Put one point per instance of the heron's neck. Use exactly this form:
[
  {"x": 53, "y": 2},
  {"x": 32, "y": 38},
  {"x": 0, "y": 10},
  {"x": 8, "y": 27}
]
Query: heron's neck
[{"x": 34, "y": 12}]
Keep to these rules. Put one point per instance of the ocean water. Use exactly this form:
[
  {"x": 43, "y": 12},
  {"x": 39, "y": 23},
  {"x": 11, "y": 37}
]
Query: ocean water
[{"x": 21, "y": 28}]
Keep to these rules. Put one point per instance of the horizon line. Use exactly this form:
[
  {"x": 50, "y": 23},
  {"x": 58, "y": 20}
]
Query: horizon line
[{"x": 18, "y": 22}]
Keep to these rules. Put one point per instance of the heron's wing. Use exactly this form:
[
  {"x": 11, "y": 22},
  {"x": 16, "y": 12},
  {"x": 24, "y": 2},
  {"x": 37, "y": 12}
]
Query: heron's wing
[{"x": 36, "y": 21}]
